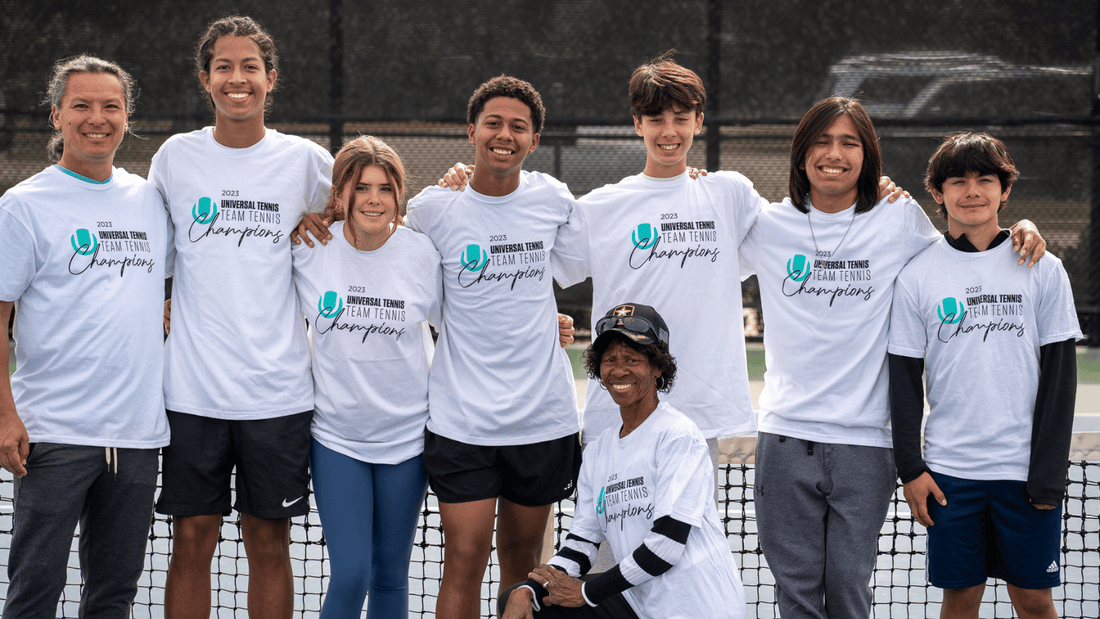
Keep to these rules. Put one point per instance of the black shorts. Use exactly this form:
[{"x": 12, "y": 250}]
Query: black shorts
[
  {"x": 530, "y": 475},
  {"x": 271, "y": 457}
]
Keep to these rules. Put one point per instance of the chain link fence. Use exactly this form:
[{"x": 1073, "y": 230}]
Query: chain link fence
[
  {"x": 1025, "y": 71},
  {"x": 404, "y": 71}
]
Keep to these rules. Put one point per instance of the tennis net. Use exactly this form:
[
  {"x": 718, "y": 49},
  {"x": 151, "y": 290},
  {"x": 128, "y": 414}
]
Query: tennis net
[{"x": 899, "y": 586}]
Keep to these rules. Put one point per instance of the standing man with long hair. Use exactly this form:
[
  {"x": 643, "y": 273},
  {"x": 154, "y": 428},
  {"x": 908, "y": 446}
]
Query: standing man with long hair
[{"x": 83, "y": 246}]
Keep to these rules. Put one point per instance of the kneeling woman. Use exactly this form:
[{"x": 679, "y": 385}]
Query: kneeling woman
[
  {"x": 367, "y": 296},
  {"x": 647, "y": 487}
]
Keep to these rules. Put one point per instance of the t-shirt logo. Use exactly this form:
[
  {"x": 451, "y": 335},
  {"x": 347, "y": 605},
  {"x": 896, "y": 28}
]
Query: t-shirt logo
[
  {"x": 474, "y": 259},
  {"x": 798, "y": 268},
  {"x": 110, "y": 247},
  {"x": 204, "y": 211},
  {"x": 235, "y": 218},
  {"x": 645, "y": 236},
  {"x": 601, "y": 507},
  {"x": 951, "y": 311},
  {"x": 330, "y": 304},
  {"x": 84, "y": 242}
]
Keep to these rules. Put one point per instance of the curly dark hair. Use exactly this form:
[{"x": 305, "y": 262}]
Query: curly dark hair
[
  {"x": 506, "y": 86},
  {"x": 657, "y": 354}
]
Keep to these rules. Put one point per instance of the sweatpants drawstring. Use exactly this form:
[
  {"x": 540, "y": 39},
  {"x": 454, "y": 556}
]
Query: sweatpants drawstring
[{"x": 109, "y": 450}]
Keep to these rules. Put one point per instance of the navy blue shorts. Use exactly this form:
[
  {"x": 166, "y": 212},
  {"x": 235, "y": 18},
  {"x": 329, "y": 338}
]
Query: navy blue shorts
[
  {"x": 530, "y": 475},
  {"x": 989, "y": 528},
  {"x": 271, "y": 458}
]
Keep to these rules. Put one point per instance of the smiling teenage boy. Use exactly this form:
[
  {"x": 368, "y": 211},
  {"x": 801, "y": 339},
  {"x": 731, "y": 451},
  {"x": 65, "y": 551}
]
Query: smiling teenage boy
[
  {"x": 501, "y": 438},
  {"x": 670, "y": 242},
  {"x": 997, "y": 344},
  {"x": 237, "y": 380}
]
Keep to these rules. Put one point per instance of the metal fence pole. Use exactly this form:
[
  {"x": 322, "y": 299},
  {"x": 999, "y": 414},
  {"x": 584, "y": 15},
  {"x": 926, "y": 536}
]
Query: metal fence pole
[
  {"x": 714, "y": 84},
  {"x": 336, "y": 75},
  {"x": 1092, "y": 330}
]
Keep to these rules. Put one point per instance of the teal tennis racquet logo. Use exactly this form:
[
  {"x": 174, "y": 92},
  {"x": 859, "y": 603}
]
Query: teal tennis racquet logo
[
  {"x": 475, "y": 258},
  {"x": 330, "y": 304},
  {"x": 204, "y": 211},
  {"x": 798, "y": 268},
  {"x": 951, "y": 311},
  {"x": 84, "y": 242},
  {"x": 644, "y": 236},
  {"x": 601, "y": 507}
]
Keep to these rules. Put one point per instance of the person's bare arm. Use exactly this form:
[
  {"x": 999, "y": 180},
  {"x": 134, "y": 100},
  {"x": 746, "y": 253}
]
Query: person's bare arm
[
  {"x": 887, "y": 189},
  {"x": 1026, "y": 240},
  {"x": 14, "y": 441},
  {"x": 457, "y": 177},
  {"x": 313, "y": 224}
]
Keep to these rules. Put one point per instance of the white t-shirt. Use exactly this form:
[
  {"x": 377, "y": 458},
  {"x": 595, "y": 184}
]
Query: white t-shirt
[
  {"x": 237, "y": 348},
  {"x": 826, "y": 316},
  {"x": 499, "y": 376},
  {"x": 660, "y": 469},
  {"x": 671, "y": 244},
  {"x": 84, "y": 264},
  {"x": 367, "y": 312},
  {"x": 980, "y": 320}
]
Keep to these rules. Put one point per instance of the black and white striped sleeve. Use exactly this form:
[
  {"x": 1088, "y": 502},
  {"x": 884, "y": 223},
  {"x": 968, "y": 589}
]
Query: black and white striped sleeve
[
  {"x": 575, "y": 558},
  {"x": 660, "y": 550}
]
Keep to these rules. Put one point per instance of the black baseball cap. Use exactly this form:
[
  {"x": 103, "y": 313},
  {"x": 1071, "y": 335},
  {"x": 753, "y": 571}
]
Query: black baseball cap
[{"x": 639, "y": 323}]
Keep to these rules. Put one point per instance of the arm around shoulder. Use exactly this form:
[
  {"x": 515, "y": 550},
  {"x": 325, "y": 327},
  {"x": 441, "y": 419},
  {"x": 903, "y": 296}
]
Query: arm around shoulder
[
  {"x": 312, "y": 226},
  {"x": 1027, "y": 240}
]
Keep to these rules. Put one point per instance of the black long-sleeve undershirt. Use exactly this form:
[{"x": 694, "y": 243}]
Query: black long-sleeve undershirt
[
  {"x": 1052, "y": 429},
  {"x": 906, "y": 413}
]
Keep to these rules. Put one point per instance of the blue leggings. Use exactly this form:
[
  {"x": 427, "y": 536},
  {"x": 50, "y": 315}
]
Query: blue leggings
[{"x": 369, "y": 514}]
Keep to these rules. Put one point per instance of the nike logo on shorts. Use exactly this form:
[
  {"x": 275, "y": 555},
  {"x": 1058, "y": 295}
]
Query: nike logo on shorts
[{"x": 287, "y": 503}]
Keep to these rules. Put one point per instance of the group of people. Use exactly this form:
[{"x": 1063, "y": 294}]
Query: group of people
[{"x": 860, "y": 296}]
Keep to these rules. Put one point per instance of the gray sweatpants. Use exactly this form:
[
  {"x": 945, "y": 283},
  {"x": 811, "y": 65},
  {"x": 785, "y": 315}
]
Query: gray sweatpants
[
  {"x": 70, "y": 484},
  {"x": 819, "y": 509}
]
